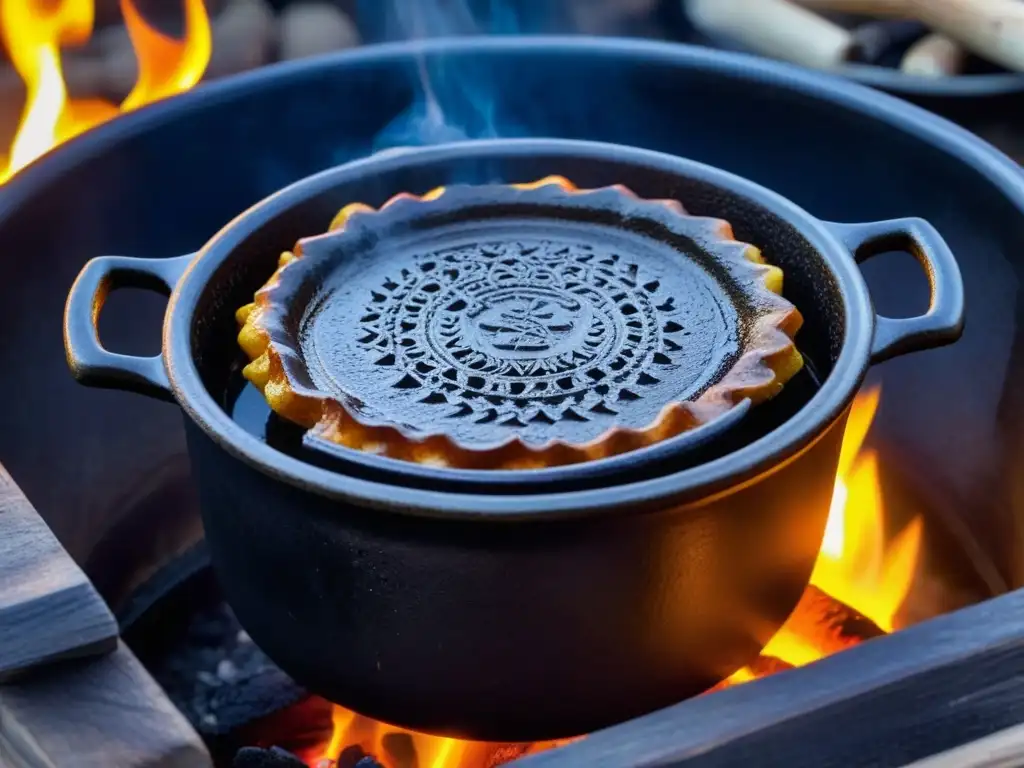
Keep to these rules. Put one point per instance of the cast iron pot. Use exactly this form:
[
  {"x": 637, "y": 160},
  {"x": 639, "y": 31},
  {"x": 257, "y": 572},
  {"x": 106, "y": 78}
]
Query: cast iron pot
[{"x": 514, "y": 617}]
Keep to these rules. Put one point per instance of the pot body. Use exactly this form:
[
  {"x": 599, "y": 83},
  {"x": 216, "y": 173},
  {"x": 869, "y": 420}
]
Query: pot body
[
  {"x": 461, "y": 611},
  {"x": 519, "y": 631}
]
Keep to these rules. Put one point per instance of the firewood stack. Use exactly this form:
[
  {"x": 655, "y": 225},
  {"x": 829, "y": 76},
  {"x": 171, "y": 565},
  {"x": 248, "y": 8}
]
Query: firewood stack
[
  {"x": 934, "y": 37},
  {"x": 821, "y": 623}
]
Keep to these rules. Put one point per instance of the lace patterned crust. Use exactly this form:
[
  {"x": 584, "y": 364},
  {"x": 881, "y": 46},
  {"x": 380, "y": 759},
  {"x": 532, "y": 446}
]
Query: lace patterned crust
[{"x": 769, "y": 359}]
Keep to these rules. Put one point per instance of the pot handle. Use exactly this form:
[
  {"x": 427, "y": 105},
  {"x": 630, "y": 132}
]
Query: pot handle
[
  {"x": 943, "y": 323},
  {"x": 90, "y": 363}
]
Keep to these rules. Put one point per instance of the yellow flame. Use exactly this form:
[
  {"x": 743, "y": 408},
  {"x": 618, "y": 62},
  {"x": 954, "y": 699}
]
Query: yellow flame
[
  {"x": 855, "y": 565},
  {"x": 348, "y": 728},
  {"x": 352, "y": 730},
  {"x": 448, "y": 750},
  {"x": 341, "y": 719},
  {"x": 33, "y": 32}
]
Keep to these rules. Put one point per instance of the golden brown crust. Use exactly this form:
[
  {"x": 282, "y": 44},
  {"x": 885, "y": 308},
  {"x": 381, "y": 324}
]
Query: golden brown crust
[{"x": 770, "y": 360}]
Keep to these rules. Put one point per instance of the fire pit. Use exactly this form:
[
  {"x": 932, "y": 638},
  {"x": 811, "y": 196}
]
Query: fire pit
[
  {"x": 964, "y": 457},
  {"x": 244, "y": 706},
  {"x": 337, "y": 562},
  {"x": 237, "y": 699}
]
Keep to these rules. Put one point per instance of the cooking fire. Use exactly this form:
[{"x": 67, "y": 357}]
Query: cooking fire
[
  {"x": 33, "y": 33},
  {"x": 858, "y": 587},
  {"x": 475, "y": 420}
]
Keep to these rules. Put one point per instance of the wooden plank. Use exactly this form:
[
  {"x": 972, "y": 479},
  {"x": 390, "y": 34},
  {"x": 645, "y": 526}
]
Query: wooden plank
[
  {"x": 888, "y": 702},
  {"x": 1001, "y": 750},
  {"x": 49, "y": 610},
  {"x": 104, "y": 712}
]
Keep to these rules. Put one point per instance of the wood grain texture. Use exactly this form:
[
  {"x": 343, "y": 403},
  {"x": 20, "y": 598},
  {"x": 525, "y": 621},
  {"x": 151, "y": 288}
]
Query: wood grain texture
[
  {"x": 105, "y": 712},
  {"x": 887, "y": 702},
  {"x": 1000, "y": 750},
  {"x": 49, "y": 609}
]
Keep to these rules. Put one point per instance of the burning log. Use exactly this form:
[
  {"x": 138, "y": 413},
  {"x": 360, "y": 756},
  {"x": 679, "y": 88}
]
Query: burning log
[
  {"x": 764, "y": 666},
  {"x": 828, "y": 625},
  {"x": 820, "y": 622},
  {"x": 483, "y": 755}
]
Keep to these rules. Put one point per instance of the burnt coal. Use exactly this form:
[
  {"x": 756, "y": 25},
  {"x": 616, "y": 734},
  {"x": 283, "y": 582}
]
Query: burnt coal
[
  {"x": 275, "y": 757},
  {"x": 354, "y": 757},
  {"x": 218, "y": 677}
]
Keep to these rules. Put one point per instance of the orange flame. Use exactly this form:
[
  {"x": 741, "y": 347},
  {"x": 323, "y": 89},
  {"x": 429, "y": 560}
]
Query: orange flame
[
  {"x": 352, "y": 730},
  {"x": 33, "y": 33},
  {"x": 169, "y": 66},
  {"x": 855, "y": 566}
]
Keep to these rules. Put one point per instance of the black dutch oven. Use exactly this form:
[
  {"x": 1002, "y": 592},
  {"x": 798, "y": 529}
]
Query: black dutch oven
[{"x": 514, "y": 616}]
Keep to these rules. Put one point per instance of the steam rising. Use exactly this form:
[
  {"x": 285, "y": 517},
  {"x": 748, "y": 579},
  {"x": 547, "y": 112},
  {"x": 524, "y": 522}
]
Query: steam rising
[{"x": 452, "y": 102}]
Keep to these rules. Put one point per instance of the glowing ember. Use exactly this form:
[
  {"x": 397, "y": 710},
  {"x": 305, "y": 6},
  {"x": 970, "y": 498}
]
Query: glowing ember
[
  {"x": 392, "y": 747},
  {"x": 856, "y": 569},
  {"x": 33, "y": 33}
]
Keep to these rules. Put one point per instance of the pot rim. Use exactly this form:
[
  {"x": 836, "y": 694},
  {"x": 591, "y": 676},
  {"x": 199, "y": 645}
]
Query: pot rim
[
  {"x": 833, "y": 88},
  {"x": 699, "y": 484}
]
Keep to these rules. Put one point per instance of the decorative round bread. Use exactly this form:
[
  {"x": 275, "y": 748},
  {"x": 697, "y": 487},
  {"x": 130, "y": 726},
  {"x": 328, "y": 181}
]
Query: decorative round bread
[{"x": 517, "y": 326}]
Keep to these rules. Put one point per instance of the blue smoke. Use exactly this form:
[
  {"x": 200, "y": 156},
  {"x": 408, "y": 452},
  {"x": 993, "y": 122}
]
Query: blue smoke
[{"x": 454, "y": 101}]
